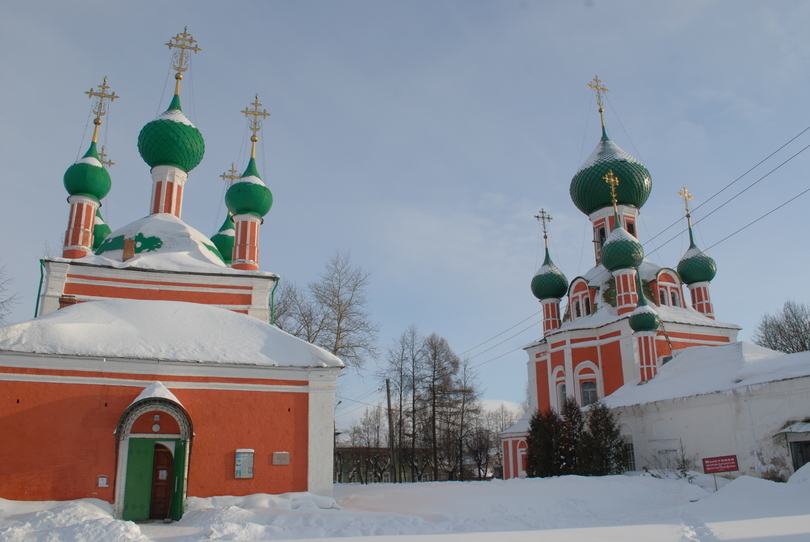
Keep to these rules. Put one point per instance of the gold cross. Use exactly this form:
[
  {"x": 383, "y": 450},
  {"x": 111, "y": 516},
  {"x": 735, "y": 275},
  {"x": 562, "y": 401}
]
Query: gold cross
[
  {"x": 231, "y": 175},
  {"x": 258, "y": 116},
  {"x": 102, "y": 155},
  {"x": 596, "y": 84},
  {"x": 684, "y": 193},
  {"x": 544, "y": 217},
  {"x": 101, "y": 96},
  {"x": 183, "y": 42},
  {"x": 613, "y": 181}
]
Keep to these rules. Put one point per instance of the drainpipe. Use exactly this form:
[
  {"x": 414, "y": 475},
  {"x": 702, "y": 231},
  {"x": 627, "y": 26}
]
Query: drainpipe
[
  {"x": 39, "y": 290},
  {"x": 273, "y": 302}
]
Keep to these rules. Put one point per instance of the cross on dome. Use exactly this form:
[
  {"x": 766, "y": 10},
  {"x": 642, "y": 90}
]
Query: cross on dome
[
  {"x": 544, "y": 217},
  {"x": 101, "y": 103},
  {"x": 255, "y": 120},
  {"x": 102, "y": 157},
  {"x": 182, "y": 42},
  {"x": 596, "y": 84},
  {"x": 231, "y": 175}
]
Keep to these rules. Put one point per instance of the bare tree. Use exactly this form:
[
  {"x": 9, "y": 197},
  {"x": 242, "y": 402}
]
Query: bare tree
[
  {"x": 333, "y": 311},
  {"x": 441, "y": 366},
  {"x": 787, "y": 330},
  {"x": 7, "y": 301}
]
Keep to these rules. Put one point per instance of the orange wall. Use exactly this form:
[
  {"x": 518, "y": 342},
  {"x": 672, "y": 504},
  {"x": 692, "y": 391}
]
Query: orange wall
[
  {"x": 612, "y": 374},
  {"x": 58, "y": 438}
]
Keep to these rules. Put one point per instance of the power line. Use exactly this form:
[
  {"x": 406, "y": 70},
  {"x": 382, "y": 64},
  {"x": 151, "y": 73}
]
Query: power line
[
  {"x": 499, "y": 334},
  {"x": 506, "y": 339},
  {"x": 732, "y": 182}
]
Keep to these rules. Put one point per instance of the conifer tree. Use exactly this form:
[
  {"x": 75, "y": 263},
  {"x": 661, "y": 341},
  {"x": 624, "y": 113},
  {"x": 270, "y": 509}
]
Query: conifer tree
[
  {"x": 602, "y": 448},
  {"x": 543, "y": 454},
  {"x": 573, "y": 426}
]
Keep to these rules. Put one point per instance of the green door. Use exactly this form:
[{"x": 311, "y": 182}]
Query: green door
[
  {"x": 138, "y": 489},
  {"x": 176, "y": 510}
]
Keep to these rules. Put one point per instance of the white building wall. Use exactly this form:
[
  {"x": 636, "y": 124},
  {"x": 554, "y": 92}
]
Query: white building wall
[{"x": 744, "y": 422}]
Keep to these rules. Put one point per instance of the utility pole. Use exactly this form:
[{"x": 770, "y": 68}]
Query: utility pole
[{"x": 391, "y": 431}]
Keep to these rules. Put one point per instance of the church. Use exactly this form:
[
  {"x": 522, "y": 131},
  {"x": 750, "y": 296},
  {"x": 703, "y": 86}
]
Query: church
[
  {"x": 153, "y": 370},
  {"x": 627, "y": 318}
]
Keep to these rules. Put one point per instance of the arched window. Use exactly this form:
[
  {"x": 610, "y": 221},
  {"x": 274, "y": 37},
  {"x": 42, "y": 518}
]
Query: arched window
[
  {"x": 587, "y": 305},
  {"x": 588, "y": 393},
  {"x": 601, "y": 237},
  {"x": 560, "y": 396},
  {"x": 631, "y": 229},
  {"x": 662, "y": 294},
  {"x": 675, "y": 301},
  {"x": 577, "y": 310}
]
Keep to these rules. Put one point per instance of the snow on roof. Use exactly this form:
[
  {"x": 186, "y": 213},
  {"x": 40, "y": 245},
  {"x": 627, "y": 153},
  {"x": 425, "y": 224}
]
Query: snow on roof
[
  {"x": 522, "y": 425},
  {"x": 156, "y": 390},
  {"x": 606, "y": 150},
  {"x": 163, "y": 242},
  {"x": 701, "y": 370},
  {"x": 164, "y": 330}
]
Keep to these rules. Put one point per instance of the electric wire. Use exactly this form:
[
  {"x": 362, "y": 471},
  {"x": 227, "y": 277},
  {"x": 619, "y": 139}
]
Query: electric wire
[{"x": 499, "y": 334}]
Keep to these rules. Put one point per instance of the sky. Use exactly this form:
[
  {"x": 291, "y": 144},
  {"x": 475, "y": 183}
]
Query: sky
[{"x": 422, "y": 137}]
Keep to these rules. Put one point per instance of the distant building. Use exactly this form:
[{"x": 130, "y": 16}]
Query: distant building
[
  {"x": 625, "y": 317},
  {"x": 153, "y": 371}
]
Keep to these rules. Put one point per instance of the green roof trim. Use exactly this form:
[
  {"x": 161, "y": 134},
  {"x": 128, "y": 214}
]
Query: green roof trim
[
  {"x": 224, "y": 242},
  {"x": 142, "y": 244},
  {"x": 100, "y": 231}
]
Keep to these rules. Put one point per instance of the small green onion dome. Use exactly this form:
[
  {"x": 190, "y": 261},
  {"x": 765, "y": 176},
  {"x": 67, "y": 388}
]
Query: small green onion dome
[
  {"x": 696, "y": 265},
  {"x": 224, "y": 240},
  {"x": 248, "y": 194},
  {"x": 549, "y": 282},
  {"x": 621, "y": 251},
  {"x": 590, "y": 192},
  {"x": 171, "y": 140},
  {"x": 87, "y": 177},
  {"x": 100, "y": 231},
  {"x": 644, "y": 317}
]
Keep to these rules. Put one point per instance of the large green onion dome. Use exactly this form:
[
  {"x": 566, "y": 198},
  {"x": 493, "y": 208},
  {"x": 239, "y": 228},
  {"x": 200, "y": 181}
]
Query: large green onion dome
[
  {"x": 171, "y": 140},
  {"x": 224, "y": 240},
  {"x": 549, "y": 282},
  {"x": 590, "y": 192},
  {"x": 100, "y": 231},
  {"x": 696, "y": 265},
  {"x": 644, "y": 317},
  {"x": 87, "y": 177},
  {"x": 621, "y": 250},
  {"x": 248, "y": 194}
]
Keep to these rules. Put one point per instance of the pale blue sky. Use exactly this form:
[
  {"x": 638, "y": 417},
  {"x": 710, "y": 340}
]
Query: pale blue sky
[{"x": 423, "y": 137}]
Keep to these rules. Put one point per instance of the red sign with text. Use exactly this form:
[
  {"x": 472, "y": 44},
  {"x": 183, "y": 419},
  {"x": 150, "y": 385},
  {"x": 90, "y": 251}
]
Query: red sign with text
[{"x": 726, "y": 463}]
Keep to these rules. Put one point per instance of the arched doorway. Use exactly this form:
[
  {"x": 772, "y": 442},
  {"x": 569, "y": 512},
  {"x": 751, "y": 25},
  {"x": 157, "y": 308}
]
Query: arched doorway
[{"x": 154, "y": 446}]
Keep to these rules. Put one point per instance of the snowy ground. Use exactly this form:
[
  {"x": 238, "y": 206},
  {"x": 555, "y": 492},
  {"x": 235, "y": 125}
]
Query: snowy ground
[{"x": 620, "y": 508}]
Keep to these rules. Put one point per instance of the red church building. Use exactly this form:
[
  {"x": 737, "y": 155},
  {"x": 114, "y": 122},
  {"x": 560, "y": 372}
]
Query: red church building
[
  {"x": 626, "y": 316},
  {"x": 153, "y": 371}
]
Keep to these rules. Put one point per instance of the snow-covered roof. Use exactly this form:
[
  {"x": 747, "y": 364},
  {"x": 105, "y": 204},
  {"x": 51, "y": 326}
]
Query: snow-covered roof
[
  {"x": 164, "y": 330},
  {"x": 701, "y": 370},
  {"x": 522, "y": 425},
  {"x": 163, "y": 242},
  {"x": 156, "y": 390}
]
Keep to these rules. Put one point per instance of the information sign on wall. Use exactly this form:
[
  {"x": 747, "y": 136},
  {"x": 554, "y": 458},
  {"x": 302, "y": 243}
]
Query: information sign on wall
[{"x": 244, "y": 463}]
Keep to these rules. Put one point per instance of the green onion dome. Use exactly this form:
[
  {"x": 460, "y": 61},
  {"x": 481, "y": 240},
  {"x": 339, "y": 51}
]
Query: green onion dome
[
  {"x": 87, "y": 177},
  {"x": 644, "y": 317},
  {"x": 224, "y": 240},
  {"x": 590, "y": 192},
  {"x": 171, "y": 140},
  {"x": 248, "y": 194},
  {"x": 621, "y": 250},
  {"x": 549, "y": 282},
  {"x": 100, "y": 231},
  {"x": 696, "y": 265}
]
